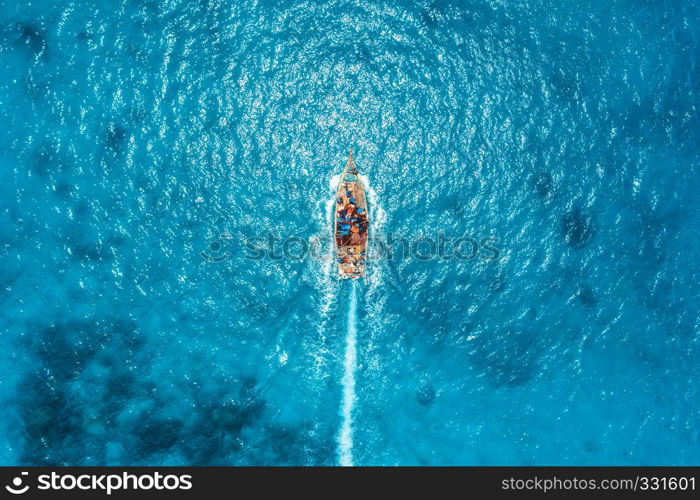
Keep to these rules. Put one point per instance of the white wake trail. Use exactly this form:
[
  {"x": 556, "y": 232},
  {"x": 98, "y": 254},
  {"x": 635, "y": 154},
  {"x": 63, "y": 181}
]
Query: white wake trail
[{"x": 349, "y": 397}]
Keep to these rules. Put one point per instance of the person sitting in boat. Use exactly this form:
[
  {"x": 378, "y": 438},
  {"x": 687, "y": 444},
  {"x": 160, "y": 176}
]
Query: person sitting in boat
[{"x": 362, "y": 222}]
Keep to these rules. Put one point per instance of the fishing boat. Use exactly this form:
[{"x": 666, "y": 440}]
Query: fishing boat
[{"x": 351, "y": 223}]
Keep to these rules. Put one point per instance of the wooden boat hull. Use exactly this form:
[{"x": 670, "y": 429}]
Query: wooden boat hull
[{"x": 351, "y": 223}]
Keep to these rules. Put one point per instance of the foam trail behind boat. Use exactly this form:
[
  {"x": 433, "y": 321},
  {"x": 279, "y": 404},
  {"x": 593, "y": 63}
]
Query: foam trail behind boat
[{"x": 349, "y": 397}]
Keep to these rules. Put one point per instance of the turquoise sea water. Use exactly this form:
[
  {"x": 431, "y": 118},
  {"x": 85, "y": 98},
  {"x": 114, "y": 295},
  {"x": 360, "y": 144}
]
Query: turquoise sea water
[{"x": 135, "y": 135}]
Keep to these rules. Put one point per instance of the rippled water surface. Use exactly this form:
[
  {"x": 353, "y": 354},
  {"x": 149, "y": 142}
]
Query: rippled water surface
[{"x": 137, "y": 134}]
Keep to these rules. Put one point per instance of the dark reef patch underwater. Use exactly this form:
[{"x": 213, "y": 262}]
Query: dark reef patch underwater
[{"x": 136, "y": 135}]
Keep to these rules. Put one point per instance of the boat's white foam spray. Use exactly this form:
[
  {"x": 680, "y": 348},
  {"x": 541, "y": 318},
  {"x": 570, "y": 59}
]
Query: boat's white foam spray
[
  {"x": 327, "y": 267},
  {"x": 323, "y": 275},
  {"x": 375, "y": 209},
  {"x": 377, "y": 217},
  {"x": 329, "y": 263},
  {"x": 349, "y": 397}
]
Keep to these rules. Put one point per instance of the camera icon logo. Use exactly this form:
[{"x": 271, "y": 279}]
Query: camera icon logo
[{"x": 16, "y": 487}]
